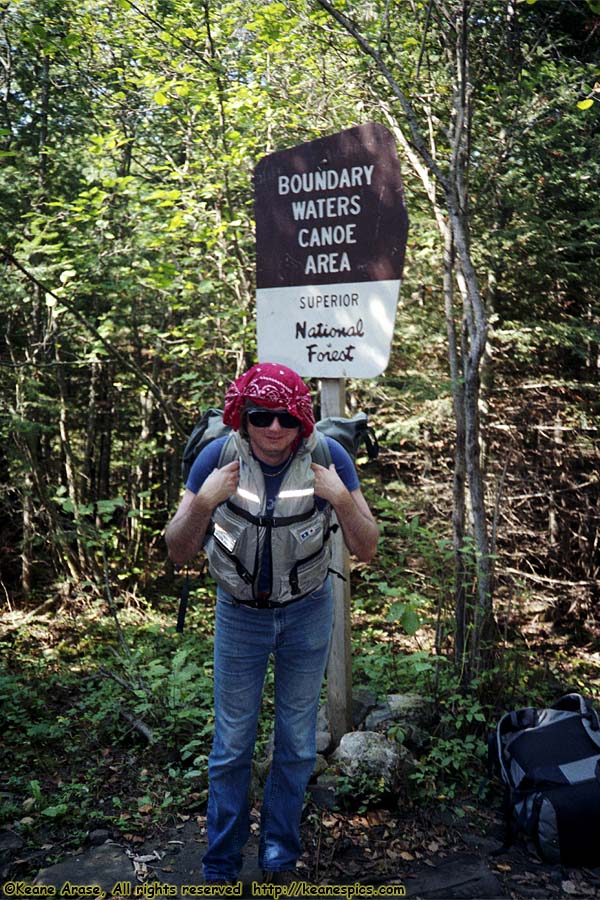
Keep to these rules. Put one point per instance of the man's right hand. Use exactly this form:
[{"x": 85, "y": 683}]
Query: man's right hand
[
  {"x": 186, "y": 531},
  {"x": 220, "y": 484}
]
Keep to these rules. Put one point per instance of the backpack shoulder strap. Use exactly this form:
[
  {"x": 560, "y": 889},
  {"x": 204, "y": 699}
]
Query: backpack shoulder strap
[
  {"x": 321, "y": 454},
  {"x": 228, "y": 452}
]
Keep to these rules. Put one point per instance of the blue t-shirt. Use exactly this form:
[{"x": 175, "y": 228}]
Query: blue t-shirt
[{"x": 208, "y": 459}]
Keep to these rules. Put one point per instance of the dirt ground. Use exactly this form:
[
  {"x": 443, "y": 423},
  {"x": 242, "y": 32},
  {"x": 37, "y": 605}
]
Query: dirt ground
[{"x": 434, "y": 856}]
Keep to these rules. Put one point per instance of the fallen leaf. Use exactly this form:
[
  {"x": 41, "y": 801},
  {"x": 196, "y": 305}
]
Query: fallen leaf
[{"x": 149, "y": 857}]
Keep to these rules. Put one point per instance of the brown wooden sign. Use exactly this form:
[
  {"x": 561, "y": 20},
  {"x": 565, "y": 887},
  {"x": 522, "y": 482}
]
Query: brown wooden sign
[{"x": 331, "y": 228}]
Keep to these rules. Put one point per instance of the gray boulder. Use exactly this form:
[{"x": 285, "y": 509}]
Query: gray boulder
[
  {"x": 367, "y": 757},
  {"x": 323, "y": 741},
  {"x": 413, "y": 714},
  {"x": 323, "y": 792},
  {"x": 363, "y": 700},
  {"x": 105, "y": 866}
]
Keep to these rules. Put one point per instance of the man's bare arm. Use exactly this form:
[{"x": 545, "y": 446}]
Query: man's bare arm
[
  {"x": 359, "y": 528},
  {"x": 187, "y": 529}
]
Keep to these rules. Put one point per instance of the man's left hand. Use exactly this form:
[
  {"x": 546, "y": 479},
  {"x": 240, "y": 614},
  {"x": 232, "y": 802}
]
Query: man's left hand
[{"x": 328, "y": 484}]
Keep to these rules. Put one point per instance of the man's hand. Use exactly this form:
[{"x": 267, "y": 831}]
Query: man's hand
[
  {"x": 358, "y": 525},
  {"x": 328, "y": 484},
  {"x": 220, "y": 484},
  {"x": 186, "y": 531}
]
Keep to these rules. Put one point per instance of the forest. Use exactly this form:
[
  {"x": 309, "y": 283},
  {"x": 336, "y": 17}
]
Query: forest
[{"x": 129, "y": 135}]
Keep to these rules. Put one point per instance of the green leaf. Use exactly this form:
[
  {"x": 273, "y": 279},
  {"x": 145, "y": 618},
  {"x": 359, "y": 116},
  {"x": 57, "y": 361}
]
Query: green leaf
[
  {"x": 36, "y": 790},
  {"x": 67, "y": 275},
  {"x": 55, "y": 812},
  {"x": 410, "y": 621}
]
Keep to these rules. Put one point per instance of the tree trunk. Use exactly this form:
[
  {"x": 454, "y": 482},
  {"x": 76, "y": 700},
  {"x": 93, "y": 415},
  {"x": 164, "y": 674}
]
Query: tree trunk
[
  {"x": 459, "y": 475},
  {"x": 27, "y": 538},
  {"x": 69, "y": 463},
  {"x": 453, "y": 185},
  {"x": 102, "y": 398}
]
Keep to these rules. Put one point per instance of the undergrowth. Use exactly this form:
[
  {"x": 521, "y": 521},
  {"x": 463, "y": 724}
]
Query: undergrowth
[{"x": 107, "y": 716}]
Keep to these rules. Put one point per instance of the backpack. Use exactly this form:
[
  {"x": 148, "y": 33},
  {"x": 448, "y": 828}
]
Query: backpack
[
  {"x": 549, "y": 761},
  {"x": 350, "y": 433}
]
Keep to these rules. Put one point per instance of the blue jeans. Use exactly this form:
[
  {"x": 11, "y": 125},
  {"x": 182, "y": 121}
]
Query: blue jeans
[{"x": 298, "y": 635}]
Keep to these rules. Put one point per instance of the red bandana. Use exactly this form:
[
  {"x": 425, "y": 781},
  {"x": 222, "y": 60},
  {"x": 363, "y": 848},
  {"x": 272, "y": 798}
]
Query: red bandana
[{"x": 273, "y": 386}]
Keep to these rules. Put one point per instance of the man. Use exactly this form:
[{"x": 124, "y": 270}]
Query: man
[{"x": 267, "y": 516}]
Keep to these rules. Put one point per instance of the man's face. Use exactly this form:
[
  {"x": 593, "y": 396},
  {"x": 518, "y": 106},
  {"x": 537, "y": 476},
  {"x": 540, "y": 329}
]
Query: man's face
[{"x": 270, "y": 440}]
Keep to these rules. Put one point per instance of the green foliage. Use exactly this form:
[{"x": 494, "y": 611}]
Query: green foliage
[
  {"x": 360, "y": 791},
  {"x": 407, "y": 591},
  {"x": 64, "y": 732},
  {"x": 458, "y": 751},
  {"x": 174, "y": 695}
]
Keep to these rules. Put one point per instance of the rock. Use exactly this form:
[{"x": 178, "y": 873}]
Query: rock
[
  {"x": 463, "y": 877},
  {"x": 363, "y": 701},
  {"x": 98, "y": 836},
  {"x": 324, "y": 791},
  {"x": 379, "y": 719},
  {"x": 413, "y": 713},
  {"x": 411, "y": 708},
  {"x": 10, "y": 844},
  {"x": 323, "y": 741},
  {"x": 323, "y": 718},
  {"x": 321, "y": 766},
  {"x": 323, "y": 730},
  {"x": 372, "y": 755},
  {"x": 104, "y": 866}
]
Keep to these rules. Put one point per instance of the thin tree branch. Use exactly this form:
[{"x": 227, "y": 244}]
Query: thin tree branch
[{"x": 417, "y": 139}]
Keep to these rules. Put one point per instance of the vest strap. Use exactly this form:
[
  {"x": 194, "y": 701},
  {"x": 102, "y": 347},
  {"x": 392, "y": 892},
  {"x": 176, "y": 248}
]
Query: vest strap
[
  {"x": 263, "y": 603},
  {"x": 270, "y": 521}
]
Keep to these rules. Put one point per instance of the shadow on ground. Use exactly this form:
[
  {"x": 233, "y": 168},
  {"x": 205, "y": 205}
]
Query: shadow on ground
[{"x": 465, "y": 866}]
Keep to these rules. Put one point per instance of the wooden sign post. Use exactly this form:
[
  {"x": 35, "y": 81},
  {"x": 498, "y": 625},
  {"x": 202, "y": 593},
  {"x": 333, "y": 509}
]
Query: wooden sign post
[
  {"x": 331, "y": 228},
  {"x": 339, "y": 667}
]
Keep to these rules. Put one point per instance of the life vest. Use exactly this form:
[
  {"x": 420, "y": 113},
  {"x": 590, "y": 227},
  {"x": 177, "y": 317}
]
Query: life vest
[{"x": 297, "y": 530}]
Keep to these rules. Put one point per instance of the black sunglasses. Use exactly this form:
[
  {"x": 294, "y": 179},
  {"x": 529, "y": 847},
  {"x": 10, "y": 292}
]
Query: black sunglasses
[{"x": 262, "y": 418}]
